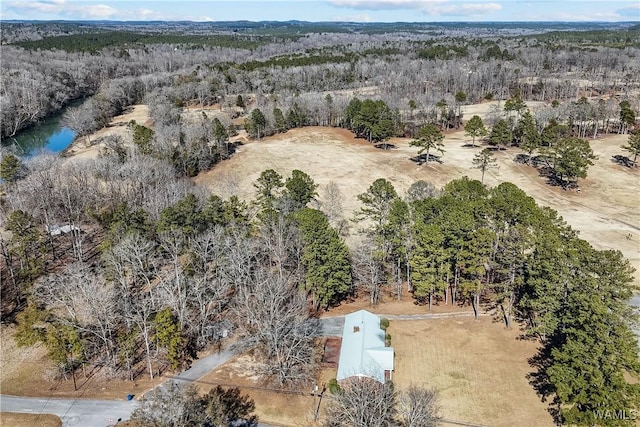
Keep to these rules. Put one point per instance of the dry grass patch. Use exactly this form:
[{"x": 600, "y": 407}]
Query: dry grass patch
[
  {"x": 13, "y": 419},
  {"x": 479, "y": 368},
  {"x": 391, "y": 305},
  {"x": 605, "y": 211},
  {"x": 27, "y": 371},
  {"x": 274, "y": 407}
]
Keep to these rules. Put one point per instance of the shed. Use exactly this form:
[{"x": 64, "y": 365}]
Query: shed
[{"x": 363, "y": 352}]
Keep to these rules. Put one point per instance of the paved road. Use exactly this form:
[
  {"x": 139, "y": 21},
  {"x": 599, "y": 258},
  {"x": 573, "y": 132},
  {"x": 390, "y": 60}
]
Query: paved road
[
  {"x": 72, "y": 412},
  {"x": 102, "y": 413},
  {"x": 203, "y": 366}
]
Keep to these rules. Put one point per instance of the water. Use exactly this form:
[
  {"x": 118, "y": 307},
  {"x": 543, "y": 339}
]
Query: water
[{"x": 48, "y": 135}]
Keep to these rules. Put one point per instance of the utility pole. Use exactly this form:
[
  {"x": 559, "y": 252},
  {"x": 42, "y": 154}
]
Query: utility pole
[{"x": 324, "y": 388}]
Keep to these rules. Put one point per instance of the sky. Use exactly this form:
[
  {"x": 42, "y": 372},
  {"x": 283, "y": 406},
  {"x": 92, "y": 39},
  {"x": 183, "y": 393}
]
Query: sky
[{"x": 322, "y": 10}]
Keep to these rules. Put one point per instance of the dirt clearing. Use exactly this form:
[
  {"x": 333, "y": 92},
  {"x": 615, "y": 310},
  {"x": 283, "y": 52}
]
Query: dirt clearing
[
  {"x": 606, "y": 211},
  {"x": 87, "y": 148},
  {"x": 12, "y": 419}
]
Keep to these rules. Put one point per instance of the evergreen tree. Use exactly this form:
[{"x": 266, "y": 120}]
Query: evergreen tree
[
  {"x": 633, "y": 146},
  {"x": 169, "y": 336},
  {"x": 627, "y": 116},
  {"x": 429, "y": 263},
  {"x": 300, "y": 189},
  {"x": 484, "y": 161},
  {"x": 142, "y": 138},
  {"x": 527, "y": 134},
  {"x": 11, "y": 168},
  {"x": 593, "y": 352},
  {"x": 429, "y": 136},
  {"x": 221, "y": 135},
  {"x": 500, "y": 134},
  {"x": 475, "y": 129},
  {"x": 268, "y": 188},
  {"x": 571, "y": 158},
  {"x": 256, "y": 124},
  {"x": 325, "y": 258},
  {"x": 280, "y": 121}
]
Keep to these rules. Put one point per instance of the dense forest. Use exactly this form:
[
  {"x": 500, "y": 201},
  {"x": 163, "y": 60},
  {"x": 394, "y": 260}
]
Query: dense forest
[{"x": 123, "y": 262}]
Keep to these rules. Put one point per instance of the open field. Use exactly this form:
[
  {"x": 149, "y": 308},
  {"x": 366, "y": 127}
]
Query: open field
[
  {"x": 479, "y": 368},
  {"x": 606, "y": 211},
  {"x": 12, "y": 419}
]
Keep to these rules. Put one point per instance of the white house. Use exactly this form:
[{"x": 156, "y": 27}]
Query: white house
[{"x": 363, "y": 352}]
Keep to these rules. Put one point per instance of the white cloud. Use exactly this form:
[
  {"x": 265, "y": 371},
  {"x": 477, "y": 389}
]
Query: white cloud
[
  {"x": 427, "y": 7},
  {"x": 385, "y": 4},
  {"x": 359, "y": 17},
  {"x": 631, "y": 11},
  {"x": 63, "y": 9},
  {"x": 466, "y": 9}
]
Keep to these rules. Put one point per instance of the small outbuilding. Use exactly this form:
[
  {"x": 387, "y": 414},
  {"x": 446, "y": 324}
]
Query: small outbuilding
[{"x": 363, "y": 352}]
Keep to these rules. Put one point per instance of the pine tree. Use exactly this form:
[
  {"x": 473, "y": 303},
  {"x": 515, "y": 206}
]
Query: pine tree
[
  {"x": 484, "y": 161},
  {"x": 325, "y": 258},
  {"x": 169, "y": 336},
  {"x": 500, "y": 134},
  {"x": 633, "y": 147},
  {"x": 475, "y": 129},
  {"x": 429, "y": 266},
  {"x": 429, "y": 136}
]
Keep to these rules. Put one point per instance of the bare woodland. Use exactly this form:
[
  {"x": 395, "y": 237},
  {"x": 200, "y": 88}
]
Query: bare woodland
[{"x": 152, "y": 268}]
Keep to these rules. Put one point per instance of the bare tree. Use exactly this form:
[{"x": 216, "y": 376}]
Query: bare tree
[
  {"x": 273, "y": 314},
  {"x": 132, "y": 266},
  {"x": 369, "y": 270},
  {"x": 418, "y": 407},
  {"x": 362, "y": 402},
  {"x": 83, "y": 300},
  {"x": 332, "y": 207}
]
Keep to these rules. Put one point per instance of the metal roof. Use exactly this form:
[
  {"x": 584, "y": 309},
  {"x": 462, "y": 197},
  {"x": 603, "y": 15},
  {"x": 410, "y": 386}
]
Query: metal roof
[{"x": 363, "y": 351}]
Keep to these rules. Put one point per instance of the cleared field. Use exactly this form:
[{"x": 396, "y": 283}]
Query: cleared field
[
  {"x": 479, "y": 368},
  {"x": 606, "y": 211},
  {"x": 12, "y": 419}
]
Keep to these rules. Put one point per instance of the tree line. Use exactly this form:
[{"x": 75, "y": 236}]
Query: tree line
[{"x": 217, "y": 66}]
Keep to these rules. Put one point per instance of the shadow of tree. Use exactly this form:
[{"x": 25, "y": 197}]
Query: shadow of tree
[
  {"x": 422, "y": 158},
  {"x": 622, "y": 160},
  {"x": 541, "y": 383},
  {"x": 385, "y": 146},
  {"x": 555, "y": 180}
]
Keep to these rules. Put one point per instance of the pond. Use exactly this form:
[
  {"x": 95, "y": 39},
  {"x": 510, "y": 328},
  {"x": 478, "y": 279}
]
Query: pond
[{"x": 48, "y": 135}]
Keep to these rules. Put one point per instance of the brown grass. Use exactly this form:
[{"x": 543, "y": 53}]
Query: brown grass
[
  {"x": 605, "y": 211},
  {"x": 13, "y": 419},
  {"x": 274, "y": 407},
  {"x": 27, "y": 371},
  {"x": 478, "y": 367},
  {"x": 390, "y": 305}
]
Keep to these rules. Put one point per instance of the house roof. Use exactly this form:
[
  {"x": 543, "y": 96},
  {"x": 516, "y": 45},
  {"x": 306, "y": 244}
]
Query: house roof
[{"x": 363, "y": 351}]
